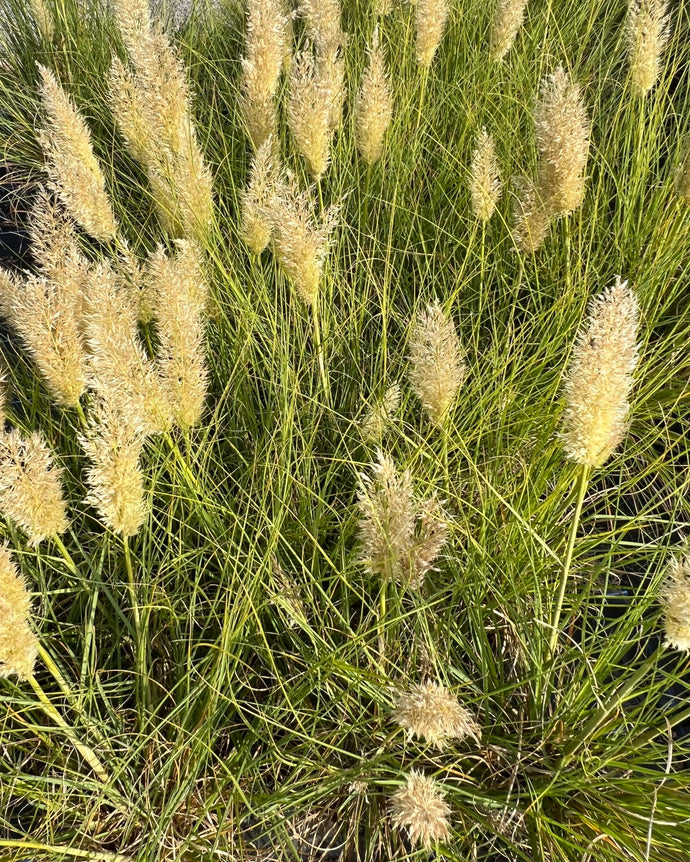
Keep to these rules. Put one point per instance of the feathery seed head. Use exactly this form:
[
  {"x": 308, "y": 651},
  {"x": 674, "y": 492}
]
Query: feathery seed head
[
  {"x": 47, "y": 317},
  {"x": 431, "y": 712},
  {"x": 261, "y": 120},
  {"x": 600, "y": 377},
  {"x": 647, "y": 31},
  {"x": 265, "y": 49},
  {"x": 430, "y": 537},
  {"x": 322, "y": 20},
  {"x": 675, "y": 599},
  {"x": 531, "y": 218},
  {"x": 383, "y": 7},
  {"x": 256, "y": 226},
  {"x": 432, "y": 17},
  {"x": 562, "y": 131},
  {"x": 437, "y": 361},
  {"x": 153, "y": 109},
  {"x": 508, "y": 19},
  {"x": 18, "y": 644},
  {"x": 301, "y": 242},
  {"x": 120, "y": 370},
  {"x": 309, "y": 111},
  {"x": 388, "y": 512},
  {"x": 113, "y": 443},
  {"x": 30, "y": 486},
  {"x": 374, "y": 106},
  {"x": 420, "y": 809},
  {"x": 74, "y": 171},
  {"x": 401, "y": 536},
  {"x": 179, "y": 296},
  {"x": 43, "y": 18},
  {"x": 485, "y": 180},
  {"x": 379, "y": 417}
]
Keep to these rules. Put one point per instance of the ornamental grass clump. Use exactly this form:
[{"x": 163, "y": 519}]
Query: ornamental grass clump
[
  {"x": 485, "y": 178},
  {"x": 420, "y": 809},
  {"x": 431, "y": 19},
  {"x": 562, "y": 132},
  {"x": 507, "y": 21},
  {"x": 675, "y": 600},
  {"x": 31, "y": 493},
  {"x": 374, "y": 106},
  {"x": 600, "y": 378},
  {"x": 437, "y": 362},
  {"x": 647, "y": 30},
  {"x": 430, "y": 712},
  {"x": 401, "y": 536},
  {"x": 75, "y": 174},
  {"x": 18, "y": 643}
]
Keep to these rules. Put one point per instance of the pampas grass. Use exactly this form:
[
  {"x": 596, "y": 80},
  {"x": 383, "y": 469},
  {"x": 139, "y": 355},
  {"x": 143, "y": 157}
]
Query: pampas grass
[{"x": 345, "y": 542}]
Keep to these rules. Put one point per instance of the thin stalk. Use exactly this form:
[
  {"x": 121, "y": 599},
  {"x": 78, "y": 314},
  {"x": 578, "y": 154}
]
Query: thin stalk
[
  {"x": 140, "y": 645},
  {"x": 319, "y": 350},
  {"x": 66, "y": 554},
  {"x": 422, "y": 97},
  {"x": 568, "y": 256},
  {"x": 56, "y": 850},
  {"x": 87, "y": 753},
  {"x": 555, "y": 622}
]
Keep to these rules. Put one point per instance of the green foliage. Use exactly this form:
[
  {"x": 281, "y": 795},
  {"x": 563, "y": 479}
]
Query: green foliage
[{"x": 263, "y": 718}]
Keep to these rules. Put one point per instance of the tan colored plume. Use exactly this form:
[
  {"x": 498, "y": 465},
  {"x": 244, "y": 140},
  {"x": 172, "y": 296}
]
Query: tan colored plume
[
  {"x": 432, "y": 17},
  {"x": 420, "y": 809},
  {"x": 374, "y": 106},
  {"x": 432, "y": 713},
  {"x": 18, "y": 643},
  {"x": 113, "y": 444},
  {"x": 437, "y": 364},
  {"x": 43, "y": 18},
  {"x": 401, "y": 536},
  {"x": 30, "y": 486},
  {"x": 310, "y": 110},
  {"x": 600, "y": 377},
  {"x": 508, "y": 19},
  {"x": 74, "y": 171},
  {"x": 485, "y": 179},
  {"x": 256, "y": 198},
  {"x": 120, "y": 370},
  {"x": 531, "y": 217},
  {"x": 675, "y": 600},
  {"x": 647, "y": 31},
  {"x": 178, "y": 295},
  {"x": 562, "y": 132},
  {"x": 301, "y": 241},
  {"x": 153, "y": 109}
]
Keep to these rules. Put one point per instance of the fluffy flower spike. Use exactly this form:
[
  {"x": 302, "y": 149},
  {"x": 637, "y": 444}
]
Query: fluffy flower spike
[
  {"x": 600, "y": 377},
  {"x": 431, "y": 712},
  {"x": 18, "y": 643},
  {"x": 420, "y": 809}
]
